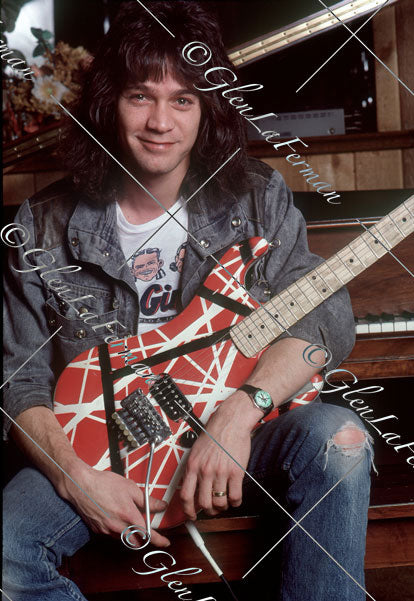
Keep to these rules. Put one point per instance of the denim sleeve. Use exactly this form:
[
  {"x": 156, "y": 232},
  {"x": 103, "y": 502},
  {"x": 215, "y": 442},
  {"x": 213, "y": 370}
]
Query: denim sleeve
[
  {"x": 25, "y": 328},
  {"x": 331, "y": 323}
]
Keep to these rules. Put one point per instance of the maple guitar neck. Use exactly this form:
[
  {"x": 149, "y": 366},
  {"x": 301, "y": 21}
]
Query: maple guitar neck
[{"x": 264, "y": 325}]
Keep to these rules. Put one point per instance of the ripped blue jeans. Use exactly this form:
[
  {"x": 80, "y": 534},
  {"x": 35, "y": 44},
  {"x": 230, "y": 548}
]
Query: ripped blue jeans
[{"x": 298, "y": 458}]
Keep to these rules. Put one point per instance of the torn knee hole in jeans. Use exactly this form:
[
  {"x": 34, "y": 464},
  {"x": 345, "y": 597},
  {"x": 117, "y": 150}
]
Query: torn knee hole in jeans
[{"x": 351, "y": 441}]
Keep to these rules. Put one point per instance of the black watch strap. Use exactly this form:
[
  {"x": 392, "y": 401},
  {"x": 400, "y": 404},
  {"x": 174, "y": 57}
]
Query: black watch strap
[{"x": 251, "y": 391}]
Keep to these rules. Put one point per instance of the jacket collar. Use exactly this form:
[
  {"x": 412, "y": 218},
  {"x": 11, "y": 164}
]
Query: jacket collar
[{"x": 92, "y": 234}]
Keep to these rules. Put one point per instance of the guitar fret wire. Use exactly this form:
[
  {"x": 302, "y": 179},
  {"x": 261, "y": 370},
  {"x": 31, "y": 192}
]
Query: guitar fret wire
[
  {"x": 369, "y": 230},
  {"x": 361, "y": 252},
  {"x": 363, "y": 237},
  {"x": 356, "y": 256},
  {"x": 334, "y": 274},
  {"x": 345, "y": 264},
  {"x": 305, "y": 312},
  {"x": 397, "y": 226},
  {"x": 325, "y": 281},
  {"x": 288, "y": 308},
  {"x": 308, "y": 296},
  {"x": 408, "y": 209},
  {"x": 312, "y": 273},
  {"x": 297, "y": 299}
]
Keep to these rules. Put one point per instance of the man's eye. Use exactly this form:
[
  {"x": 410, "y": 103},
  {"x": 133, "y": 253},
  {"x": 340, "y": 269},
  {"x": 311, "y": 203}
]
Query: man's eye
[
  {"x": 138, "y": 96},
  {"x": 184, "y": 101}
]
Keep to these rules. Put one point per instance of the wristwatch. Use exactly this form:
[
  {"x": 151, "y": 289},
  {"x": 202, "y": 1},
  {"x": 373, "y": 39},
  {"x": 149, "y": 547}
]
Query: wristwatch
[{"x": 261, "y": 399}]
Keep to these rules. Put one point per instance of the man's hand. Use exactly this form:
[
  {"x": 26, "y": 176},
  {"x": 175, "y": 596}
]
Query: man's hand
[
  {"x": 119, "y": 497},
  {"x": 210, "y": 468}
]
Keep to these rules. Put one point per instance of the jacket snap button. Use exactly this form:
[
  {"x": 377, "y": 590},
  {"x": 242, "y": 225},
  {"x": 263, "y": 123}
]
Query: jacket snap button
[
  {"x": 52, "y": 322},
  {"x": 267, "y": 292},
  {"x": 236, "y": 221},
  {"x": 115, "y": 304},
  {"x": 83, "y": 310},
  {"x": 204, "y": 243},
  {"x": 275, "y": 243},
  {"x": 80, "y": 333},
  {"x": 105, "y": 253},
  {"x": 74, "y": 241}
]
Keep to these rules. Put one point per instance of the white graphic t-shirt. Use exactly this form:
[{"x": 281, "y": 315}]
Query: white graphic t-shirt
[{"x": 157, "y": 266}]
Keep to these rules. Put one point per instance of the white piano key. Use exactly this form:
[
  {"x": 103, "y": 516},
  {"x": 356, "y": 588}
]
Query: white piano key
[
  {"x": 374, "y": 328},
  {"x": 388, "y": 326},
  {"x": 410, "y": 325},
  {"x": 362, "y": 328},
  {"x": 400, "y": 326}
]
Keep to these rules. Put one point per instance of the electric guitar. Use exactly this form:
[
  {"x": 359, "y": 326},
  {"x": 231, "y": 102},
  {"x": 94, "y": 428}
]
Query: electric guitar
[{"x": 161, "y": 387}]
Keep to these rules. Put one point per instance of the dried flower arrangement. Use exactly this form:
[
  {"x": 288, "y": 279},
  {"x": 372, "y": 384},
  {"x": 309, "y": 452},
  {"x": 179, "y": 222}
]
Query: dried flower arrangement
[{"x": 27, "y": 105}]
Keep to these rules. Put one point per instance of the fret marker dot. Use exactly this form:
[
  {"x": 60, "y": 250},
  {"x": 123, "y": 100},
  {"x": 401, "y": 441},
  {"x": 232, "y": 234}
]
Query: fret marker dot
[
  {"x": 404, "y": 219},
  {"x": 323, "y": 289},
  {"x": 351, "y": 260},
  {"x": 291, "y": 304},
  {"x": 376, "y": 241},
  {"x": 277, "y": 315},
  {"x": 314, "y": 277},
  {"x": 249, "y": 335},
  {"x": 262, "y": 326}
]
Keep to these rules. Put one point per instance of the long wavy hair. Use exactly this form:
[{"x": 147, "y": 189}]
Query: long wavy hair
[{"x": 135, "y": 49}]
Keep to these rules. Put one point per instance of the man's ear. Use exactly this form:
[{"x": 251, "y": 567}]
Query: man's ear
[{"x": 161, "y": 263}]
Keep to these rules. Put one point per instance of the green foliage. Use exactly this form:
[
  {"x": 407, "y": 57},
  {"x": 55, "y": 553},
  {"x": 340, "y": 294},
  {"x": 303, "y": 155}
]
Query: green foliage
[{"x": 42, "y": 35}]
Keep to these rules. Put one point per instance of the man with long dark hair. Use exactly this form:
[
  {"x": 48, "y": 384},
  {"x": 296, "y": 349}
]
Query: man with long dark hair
[{"x": 141, "y": 101}]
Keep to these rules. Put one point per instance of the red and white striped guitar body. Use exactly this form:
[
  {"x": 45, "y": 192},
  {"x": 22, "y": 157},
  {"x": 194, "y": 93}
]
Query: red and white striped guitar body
[{"x": 206, "y": 377}]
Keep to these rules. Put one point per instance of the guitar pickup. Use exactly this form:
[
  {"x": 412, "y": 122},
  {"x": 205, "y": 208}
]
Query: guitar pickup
[
  {"x": 170, "y": 398},
  {"x": 138, "y": 422}
]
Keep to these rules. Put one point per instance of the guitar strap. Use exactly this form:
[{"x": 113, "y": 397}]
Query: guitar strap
[
  {"x": 173, "y": 353},
  {"x": 109, "y": 401},
  {"x": 223, "y": 301}
]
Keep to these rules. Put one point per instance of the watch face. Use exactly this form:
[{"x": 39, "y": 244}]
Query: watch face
[{"x": 263, "y": 399}]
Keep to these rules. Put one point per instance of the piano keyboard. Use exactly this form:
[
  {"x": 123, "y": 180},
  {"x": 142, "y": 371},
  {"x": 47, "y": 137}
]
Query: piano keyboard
[{"x": 384, "y": 323}]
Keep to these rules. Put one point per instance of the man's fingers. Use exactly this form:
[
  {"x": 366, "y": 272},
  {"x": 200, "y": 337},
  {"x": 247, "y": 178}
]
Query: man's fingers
[
  {"x": 220, "y": 486},
  {"x": 187, "y": 495},
  {"x": 235, "y": 490},
  {"x": 157, "y": 504},
  {"x": 139, "y": 500},
  {"x": 158, "y": 540},
  {"x": 205, "y": 486}
]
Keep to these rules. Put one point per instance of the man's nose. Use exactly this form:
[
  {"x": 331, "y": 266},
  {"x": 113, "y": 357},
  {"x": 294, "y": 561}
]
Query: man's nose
[{"x": 160, "y": 118}]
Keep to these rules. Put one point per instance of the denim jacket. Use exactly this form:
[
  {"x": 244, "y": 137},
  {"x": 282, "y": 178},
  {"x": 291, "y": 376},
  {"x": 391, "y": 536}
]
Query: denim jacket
[{"x": 70, "y": 232}]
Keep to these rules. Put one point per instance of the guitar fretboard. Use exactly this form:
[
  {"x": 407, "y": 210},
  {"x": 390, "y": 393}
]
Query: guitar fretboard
[{"x": 264, "y": 325}]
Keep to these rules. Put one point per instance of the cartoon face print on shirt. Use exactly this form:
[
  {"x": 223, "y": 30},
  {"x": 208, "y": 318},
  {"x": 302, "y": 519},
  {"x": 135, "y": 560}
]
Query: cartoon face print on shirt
[
  {"x": 178, "y": 262},
  {"x": 147, "y": 265}
]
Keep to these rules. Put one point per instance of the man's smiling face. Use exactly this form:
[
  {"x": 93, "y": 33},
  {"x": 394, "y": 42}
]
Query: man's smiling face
[
  {"x": 146, "y": 266},
  {"x": 158, "y": 124}
]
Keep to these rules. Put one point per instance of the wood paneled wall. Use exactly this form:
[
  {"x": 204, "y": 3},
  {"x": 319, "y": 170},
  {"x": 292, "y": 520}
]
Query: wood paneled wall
[
  {"x": 371, "y": 170},
  {"x": 382, "y": 168}
]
